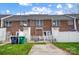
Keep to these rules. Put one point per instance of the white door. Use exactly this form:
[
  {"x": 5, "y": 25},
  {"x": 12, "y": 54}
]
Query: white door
[
  {"x": 47, "y": 35},
  {"x": 27, "y": 32}
]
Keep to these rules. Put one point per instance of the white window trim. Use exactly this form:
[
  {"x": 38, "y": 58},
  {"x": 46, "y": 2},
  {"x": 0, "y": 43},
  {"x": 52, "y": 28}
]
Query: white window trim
[
  {"x": 56, "y": 23},
  {"x": 8, "y": 24},
  {"x": 39, "y": 23}
]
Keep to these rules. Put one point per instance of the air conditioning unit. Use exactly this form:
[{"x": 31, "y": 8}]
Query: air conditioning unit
[{"x": 24, "y": 24}]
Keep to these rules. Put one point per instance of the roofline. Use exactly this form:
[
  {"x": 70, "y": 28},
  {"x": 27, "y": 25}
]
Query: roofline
[
  {"x": 46, "y": 15},
  {"x": 40, "y": 14},
  {"x": 6, "y": 17}
]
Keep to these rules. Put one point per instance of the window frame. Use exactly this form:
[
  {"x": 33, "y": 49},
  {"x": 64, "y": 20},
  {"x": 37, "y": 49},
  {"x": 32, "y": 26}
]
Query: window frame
[
  {"x": 8, "y": 24},
  {"x": 57, "y": 23},
  {"x": 39, "y": 23}
]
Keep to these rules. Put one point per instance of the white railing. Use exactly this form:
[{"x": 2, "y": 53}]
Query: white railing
[
  {"x": 37, "y": 38},
  {"x": 66, "y": 36},
  {"x": 2, "y": 35}
]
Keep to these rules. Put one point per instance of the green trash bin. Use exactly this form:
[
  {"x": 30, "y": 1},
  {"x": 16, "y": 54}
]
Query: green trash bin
[{"x": 21, "y": 39}]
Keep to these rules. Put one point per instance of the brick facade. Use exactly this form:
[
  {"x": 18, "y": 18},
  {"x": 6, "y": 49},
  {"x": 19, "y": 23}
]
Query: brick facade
[
  {"x": 39, "y": 32},
  {"x": 47, "y": 25},
  {"x": 14, "y": 27},
  {"x": 65, "y": 27}
]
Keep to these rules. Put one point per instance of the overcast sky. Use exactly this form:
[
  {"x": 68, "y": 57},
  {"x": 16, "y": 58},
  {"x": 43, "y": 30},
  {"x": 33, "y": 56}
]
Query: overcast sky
[{"x": 38, "y": 8}]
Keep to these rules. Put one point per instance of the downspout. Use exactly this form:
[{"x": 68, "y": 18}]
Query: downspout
[
  {"x": 75, "y": 26},
  {"x": 2, "y": 20},
  {"x": 1, "y": 23}
]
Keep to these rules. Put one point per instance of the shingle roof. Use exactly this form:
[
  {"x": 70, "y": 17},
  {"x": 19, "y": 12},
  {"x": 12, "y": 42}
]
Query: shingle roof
[
  {"x": 74, "y": 15},
  {"x": 40, "y": 17},
  {"x": 1, "y": 16}
]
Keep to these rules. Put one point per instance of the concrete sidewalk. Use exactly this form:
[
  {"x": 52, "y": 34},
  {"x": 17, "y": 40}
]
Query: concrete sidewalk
[
  {"x": 4, "y": 43},
  {"x": 47, "y": 49}
]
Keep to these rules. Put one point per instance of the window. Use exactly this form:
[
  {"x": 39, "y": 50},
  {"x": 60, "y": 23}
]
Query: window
[
  {"x": 70, "y": 22},
  {"x": 7, "y": 23},
  {"x": 39, "y": 23},
  {"x": 55, "y": 23}
]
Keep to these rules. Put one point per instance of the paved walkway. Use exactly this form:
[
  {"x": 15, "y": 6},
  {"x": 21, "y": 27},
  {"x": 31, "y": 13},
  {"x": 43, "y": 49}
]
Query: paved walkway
[
  {"x": 47, "y": 49},
  {"x": 4, "y": 43}
]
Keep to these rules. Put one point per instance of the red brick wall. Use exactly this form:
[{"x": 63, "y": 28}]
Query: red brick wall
[
  {"x": 39, "y": 32},
  {"x": 47, "y": 25},
  {"x": 33, "y": 31},
  {"x": 15, "y": 26},
  {"x": 65, "y": 27},
  {"x": 32, "y": 23}
]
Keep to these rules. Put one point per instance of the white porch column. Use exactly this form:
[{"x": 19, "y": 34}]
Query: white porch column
[
  {"x": 2, "y": 23},
  {"x": 75, "y": 25}
]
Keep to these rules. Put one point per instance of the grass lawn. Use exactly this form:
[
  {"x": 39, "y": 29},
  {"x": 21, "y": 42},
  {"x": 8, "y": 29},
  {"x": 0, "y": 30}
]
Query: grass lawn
[
  {"x": 71, "y": 47},
  {"x": 15, "y": 49}
]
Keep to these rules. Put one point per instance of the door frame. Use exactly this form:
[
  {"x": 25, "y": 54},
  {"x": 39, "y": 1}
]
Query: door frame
[
  {"x": 47, "y": 35},
  {"x": 28, "y": 34}
]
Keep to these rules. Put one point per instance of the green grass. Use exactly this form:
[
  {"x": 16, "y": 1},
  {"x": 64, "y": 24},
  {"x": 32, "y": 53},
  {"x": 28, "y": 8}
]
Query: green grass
[
  {"x": 15, "y": 49},
  {"x": 70, "y": 47}
]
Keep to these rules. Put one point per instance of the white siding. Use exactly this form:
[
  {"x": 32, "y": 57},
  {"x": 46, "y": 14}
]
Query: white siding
[
  {"x": 27, "y": 33},
  {"x": 2, "y": 34}
]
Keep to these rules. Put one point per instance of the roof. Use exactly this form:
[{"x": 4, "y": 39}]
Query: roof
[
  {"x": 1, "y": 16},
  {"x": 41, "y": 17},
  {"x": 74, "y": 15}
]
